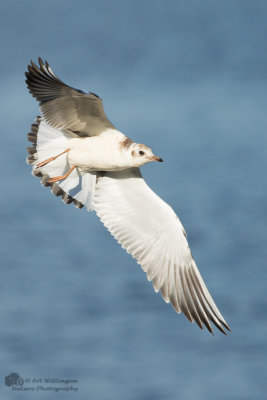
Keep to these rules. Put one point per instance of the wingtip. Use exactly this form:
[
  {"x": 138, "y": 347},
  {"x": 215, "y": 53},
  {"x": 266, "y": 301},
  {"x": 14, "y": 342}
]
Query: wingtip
[
  {"x": 221, "y": 328},
  {"x": 226, "y": 326},
  {"x": 34, "y": 66}
]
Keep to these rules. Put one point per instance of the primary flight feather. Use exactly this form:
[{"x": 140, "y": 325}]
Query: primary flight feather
[{"x": 83, "y": 158}]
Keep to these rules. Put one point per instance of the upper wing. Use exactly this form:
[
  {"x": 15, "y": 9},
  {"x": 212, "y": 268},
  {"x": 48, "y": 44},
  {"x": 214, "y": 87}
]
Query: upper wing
[
  {"x": 151, "y": 232},
  {"x": 63, "y": 106}
]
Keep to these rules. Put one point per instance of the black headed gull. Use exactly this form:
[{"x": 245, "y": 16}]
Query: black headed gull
[{"x": 83, "y": 158}]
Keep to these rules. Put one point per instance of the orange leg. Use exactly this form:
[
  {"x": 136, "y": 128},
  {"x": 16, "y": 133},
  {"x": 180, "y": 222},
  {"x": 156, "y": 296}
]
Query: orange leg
[
  {"x": 60, "y": 178},
  {"x": 41, "y": 164}
]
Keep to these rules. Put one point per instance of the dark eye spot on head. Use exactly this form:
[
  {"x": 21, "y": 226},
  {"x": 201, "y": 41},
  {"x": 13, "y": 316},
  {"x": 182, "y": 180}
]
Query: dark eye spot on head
[{"x": 141, "y": 153}]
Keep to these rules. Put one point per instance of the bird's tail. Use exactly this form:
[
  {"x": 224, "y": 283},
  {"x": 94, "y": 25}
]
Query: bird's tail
[{"x": 78, "y": 188}]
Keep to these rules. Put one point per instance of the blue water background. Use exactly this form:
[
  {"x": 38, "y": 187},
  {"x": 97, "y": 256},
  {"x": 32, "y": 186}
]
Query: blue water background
[{"x": 189, "y": 79}]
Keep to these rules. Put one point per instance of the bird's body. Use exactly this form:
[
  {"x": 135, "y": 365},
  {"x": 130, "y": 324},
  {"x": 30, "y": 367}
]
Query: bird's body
[
  {"x": 93, "y": 153},
  {"x": 86, "y": 160},
  {"x": 90, "y": 153}
]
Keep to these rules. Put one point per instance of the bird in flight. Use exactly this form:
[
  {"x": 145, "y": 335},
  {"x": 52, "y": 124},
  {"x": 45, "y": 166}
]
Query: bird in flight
[{"x": 82, "y": 157}]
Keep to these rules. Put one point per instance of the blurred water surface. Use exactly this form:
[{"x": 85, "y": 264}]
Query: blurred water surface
[{"x": 189, "y": 80}]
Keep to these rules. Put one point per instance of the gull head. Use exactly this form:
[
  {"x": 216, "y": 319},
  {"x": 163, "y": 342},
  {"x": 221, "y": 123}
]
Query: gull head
[{"x": 141, "y": 154}]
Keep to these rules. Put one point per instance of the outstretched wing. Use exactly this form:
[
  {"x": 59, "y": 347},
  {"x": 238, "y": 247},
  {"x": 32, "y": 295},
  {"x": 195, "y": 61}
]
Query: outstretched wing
[
  {"x": 63, "y": 106},
  {"x": 151, "y": 232}
]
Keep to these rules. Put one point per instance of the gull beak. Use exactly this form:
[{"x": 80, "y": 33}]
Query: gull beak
[{"x": 155, "y": 158}]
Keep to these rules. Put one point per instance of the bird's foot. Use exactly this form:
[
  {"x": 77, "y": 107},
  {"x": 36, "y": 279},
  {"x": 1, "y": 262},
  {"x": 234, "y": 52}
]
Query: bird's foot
[
  {"x": 61, "y": 177},
  {"x": 41, "y": 164}
]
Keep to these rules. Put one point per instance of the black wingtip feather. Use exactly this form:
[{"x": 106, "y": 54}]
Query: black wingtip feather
[{"x": 44, "y": 84}]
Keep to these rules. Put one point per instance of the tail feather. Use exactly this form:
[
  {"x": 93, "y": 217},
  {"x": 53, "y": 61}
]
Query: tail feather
[{"x": 47, "y": 142}]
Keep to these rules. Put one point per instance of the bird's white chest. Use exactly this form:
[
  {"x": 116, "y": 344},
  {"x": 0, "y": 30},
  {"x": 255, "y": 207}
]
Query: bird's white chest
[{"x": 97, "y": 153}]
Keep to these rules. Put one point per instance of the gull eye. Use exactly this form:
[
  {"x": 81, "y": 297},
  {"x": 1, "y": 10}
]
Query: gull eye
[{"x": 141, "y": 153}]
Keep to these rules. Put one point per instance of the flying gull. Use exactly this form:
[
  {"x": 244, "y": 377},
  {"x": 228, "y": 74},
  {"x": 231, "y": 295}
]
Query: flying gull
[{"x": 79, "y": 153}]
